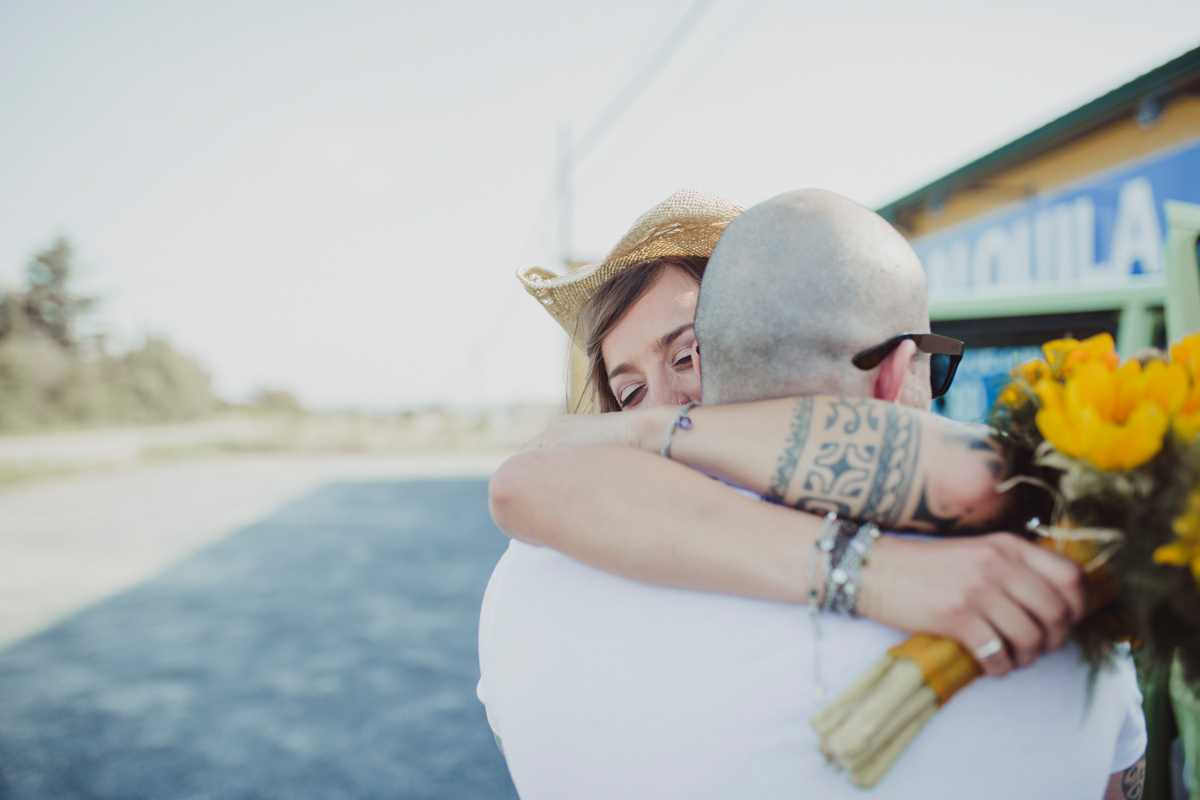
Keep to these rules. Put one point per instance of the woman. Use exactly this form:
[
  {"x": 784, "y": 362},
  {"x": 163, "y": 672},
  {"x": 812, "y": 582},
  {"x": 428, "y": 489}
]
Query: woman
[{"x": 632, "y": 312}]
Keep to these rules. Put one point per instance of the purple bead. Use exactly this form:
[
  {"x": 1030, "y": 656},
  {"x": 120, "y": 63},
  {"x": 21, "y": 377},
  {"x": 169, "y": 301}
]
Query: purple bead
[{"x": 685, "y": 423}]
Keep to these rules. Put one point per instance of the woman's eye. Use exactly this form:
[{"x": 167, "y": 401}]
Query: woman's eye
[
  {"x": 684, "y": 359},
  {"x": 633, "y": 395}
]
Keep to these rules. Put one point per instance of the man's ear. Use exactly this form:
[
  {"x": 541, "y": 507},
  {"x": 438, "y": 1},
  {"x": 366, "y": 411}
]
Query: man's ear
[{"x": 894, "y": 370}]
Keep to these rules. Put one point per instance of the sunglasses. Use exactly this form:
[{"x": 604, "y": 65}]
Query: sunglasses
[{"x": 944, "y": 355}]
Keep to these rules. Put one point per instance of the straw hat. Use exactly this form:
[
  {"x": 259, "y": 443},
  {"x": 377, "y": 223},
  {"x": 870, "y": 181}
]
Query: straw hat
[{"x": 688, "y": 223}]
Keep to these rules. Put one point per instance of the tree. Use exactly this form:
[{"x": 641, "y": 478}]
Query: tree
[
  {"x": 49, "y": 306},
  {"x": 47, "y": 380}
]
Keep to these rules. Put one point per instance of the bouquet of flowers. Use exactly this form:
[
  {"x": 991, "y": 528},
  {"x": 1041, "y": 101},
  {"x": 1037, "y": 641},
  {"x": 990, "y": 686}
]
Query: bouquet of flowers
[{"x": 1117, "y": 445}]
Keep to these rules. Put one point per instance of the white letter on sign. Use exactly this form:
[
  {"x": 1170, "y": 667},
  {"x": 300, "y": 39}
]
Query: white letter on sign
[{"x": 1137, "y": 237}]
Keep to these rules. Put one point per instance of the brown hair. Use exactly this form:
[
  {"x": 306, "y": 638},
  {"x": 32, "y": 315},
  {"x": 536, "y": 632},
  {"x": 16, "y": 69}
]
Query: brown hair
[{"x": 612, "y": 301}]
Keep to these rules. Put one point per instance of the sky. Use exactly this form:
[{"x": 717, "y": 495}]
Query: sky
[{"x": 332, "y": 197}]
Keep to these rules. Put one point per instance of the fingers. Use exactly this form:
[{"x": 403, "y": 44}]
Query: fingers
[
  {"x": 1046, "y": 605},
  {"x": 1019, "y": 631},
  {"x": 980, "y": 640},
  {"x": 1063, "y": 575},
  {"x": 978, "y": 589}
]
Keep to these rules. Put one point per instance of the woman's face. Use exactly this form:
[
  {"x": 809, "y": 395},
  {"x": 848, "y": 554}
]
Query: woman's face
[{"x": 648, "y": 354}]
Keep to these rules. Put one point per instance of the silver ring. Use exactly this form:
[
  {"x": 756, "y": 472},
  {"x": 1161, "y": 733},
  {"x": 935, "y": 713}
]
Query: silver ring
[{"x": 989, "y": 648}]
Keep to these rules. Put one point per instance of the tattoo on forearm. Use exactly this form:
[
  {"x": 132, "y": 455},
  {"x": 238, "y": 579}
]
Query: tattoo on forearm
[
  {"x": 862, "y": 459},
  {"x": 790, "y": 457},
  {"x": 1134, "y": 780},
  {"x": 851, "y": 413},
  {"x": 862, "y": 462},
  {"x": 822, "y": 505},
  {"x": 997, "y": 463},
  {"x": 898, "y": 454},
  {"x": 924, "y": 514},
  {"x": 841, "y": 469}
]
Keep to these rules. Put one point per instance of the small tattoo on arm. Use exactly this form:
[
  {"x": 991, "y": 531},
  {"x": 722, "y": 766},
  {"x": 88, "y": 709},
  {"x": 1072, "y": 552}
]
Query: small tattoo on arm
[
  {"x": 785, "y": 468},
  {"x": 996, "y": 461},
  {"x": 1134, "y": 780},
  {"x": 924, "y": 513}
]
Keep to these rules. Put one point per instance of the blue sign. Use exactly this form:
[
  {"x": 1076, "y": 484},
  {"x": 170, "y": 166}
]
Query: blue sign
[
  {"x": 1106, "y": 230},
  {"x": 982, "y": 375}
]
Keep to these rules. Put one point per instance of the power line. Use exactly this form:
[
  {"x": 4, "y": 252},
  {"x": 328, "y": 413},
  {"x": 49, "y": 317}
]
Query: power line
[
  {"x": 641, "y": 79},
  {"x": 570, "y": 153},
  {"x": 716, "y": 48}
]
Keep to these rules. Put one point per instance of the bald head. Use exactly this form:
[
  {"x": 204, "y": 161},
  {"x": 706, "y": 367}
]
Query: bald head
[{"x": 796, "y": 286}]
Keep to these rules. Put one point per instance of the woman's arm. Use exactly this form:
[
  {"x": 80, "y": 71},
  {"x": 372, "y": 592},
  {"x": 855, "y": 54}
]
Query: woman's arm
[
  {"x": 866, "y": 459},
  {"x": 646, "y": 518}
]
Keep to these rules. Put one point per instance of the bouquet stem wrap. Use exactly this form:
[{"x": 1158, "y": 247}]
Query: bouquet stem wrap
[{"x": 865, "y": 728}]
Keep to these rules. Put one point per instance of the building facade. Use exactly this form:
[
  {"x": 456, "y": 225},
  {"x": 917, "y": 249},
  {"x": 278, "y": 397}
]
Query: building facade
[{"x": 1088, "y": 224}]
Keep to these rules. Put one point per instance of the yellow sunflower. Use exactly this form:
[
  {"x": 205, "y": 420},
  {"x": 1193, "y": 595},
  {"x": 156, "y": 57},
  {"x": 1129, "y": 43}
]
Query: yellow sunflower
[{"x": 1115, "y": 417}]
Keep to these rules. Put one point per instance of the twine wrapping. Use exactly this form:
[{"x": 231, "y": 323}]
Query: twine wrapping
[{"x": 866, "y": 728}]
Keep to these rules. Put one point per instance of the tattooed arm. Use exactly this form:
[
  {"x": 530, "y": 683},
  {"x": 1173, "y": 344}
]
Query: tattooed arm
[
  {"x": 1127, "y": 785},
  {"x": 866, "y": 459},
  {"x": 634, "y": 514}
]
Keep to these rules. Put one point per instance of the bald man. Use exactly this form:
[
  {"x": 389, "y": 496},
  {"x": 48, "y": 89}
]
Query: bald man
[
  {"x": 795, "y": 288},
  {"x": 601, "y": 687}
]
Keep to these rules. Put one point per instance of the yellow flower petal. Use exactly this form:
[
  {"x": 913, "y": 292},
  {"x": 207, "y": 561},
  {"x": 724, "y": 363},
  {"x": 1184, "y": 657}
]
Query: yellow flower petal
[
  {"x": 1176, "y": 553},
  {"x": 1093, "y": 385},
  {"x": 1129, "y": 385},
  {"x": 1099, "y": 348},
  {"x": 1166, "y": 385},
  {"x": 1053, "y": 424},
  {"x": 1032, "y": 371},
  {"x": 1187, "y": 426},
  {"x": 1056, "y": 353},
  {"x": 1139, "y": 440}
]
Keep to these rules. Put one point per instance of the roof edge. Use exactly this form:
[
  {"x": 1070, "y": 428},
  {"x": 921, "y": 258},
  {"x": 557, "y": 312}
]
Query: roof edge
[{"x": 1157, "y": 84}]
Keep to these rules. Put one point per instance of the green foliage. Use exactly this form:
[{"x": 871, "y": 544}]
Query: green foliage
[
  {"x": 276, "y": 401},
  {"x": 48, "y": 381}
]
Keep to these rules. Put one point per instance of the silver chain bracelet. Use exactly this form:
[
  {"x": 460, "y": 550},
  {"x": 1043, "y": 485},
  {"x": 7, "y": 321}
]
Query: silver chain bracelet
[
  {"x": 844, "y": 579},
  {"x": 821, "y": 553}
]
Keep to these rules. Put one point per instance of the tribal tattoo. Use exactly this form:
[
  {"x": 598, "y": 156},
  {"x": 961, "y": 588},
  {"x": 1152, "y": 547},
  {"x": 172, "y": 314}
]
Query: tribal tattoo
[
  {"x": 859, "y": 461},
  {"x": 863, "y": 459},
  {"x": 851, "y": 411},
  {"x": 790, "y": 457},
  {"x": 897, "y": 467}
]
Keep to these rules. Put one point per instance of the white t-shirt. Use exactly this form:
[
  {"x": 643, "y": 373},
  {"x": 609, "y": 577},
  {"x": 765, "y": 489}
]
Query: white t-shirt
[{"x": 601, "y": 687}]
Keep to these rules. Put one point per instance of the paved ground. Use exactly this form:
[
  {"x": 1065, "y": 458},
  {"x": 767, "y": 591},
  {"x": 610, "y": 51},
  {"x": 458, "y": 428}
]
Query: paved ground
[
  {"x": 327, "y": 651},
  {"x": 67, "y": 543}
]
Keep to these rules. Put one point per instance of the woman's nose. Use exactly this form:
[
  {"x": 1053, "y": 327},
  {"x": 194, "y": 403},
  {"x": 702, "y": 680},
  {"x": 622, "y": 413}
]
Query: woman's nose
[
  {"x": 675, "y": 396},
  {"x": 668, "y": 396}
]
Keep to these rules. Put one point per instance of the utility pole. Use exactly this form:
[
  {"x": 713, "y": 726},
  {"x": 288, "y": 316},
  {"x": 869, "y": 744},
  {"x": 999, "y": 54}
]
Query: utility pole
[{"x": 577, "y": 363}]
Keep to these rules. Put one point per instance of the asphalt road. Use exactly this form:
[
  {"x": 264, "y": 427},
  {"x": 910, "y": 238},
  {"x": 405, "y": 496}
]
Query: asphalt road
[{"x": 328, "y": 651}]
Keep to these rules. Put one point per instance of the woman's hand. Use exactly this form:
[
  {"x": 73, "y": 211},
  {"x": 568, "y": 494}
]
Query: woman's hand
[
  {"x": 974, "y": 589},
  {"x": 634, "y": 428}
]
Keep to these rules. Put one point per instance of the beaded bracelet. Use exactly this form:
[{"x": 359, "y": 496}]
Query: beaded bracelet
[
  {"x": 844, "y": 579},
  {"x": 822, "y": 552}
]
